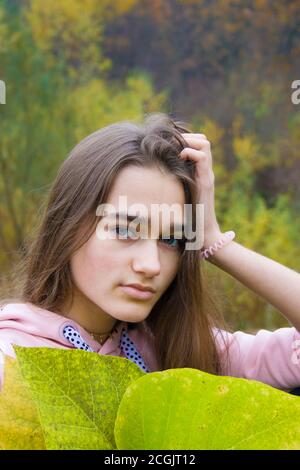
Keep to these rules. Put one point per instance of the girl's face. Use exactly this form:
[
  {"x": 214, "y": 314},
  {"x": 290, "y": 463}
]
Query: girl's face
[{"x": 101, "y": 266}]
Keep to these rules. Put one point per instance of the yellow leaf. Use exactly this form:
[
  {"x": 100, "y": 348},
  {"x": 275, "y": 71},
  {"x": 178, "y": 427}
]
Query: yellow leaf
[{"x": 19, "y": 420}]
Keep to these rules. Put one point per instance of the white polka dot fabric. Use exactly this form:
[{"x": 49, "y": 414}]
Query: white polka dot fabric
[
  {"x": 74, "y": 338},
  {"x": 131, "y": 352},
  {"x": 126, "y": 345}
]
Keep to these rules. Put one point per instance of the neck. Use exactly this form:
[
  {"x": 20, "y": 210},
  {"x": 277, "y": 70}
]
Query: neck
[
  {"x": 100, "y": 338},
  {"x": 89, "y": 316}
]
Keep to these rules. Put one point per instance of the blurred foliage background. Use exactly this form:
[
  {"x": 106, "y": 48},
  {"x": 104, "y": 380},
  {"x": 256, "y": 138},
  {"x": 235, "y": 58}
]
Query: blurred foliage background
[{"x": 226, "y": 67}]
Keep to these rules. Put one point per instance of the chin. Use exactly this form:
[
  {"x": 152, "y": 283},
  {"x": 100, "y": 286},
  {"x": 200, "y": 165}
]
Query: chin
[
  {"x": 128, "y": 311},
  {"x": 131, "y": 318}
]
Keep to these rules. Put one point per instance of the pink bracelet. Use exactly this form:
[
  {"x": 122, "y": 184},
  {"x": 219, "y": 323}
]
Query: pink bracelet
[{"x": 226, "y": 238}]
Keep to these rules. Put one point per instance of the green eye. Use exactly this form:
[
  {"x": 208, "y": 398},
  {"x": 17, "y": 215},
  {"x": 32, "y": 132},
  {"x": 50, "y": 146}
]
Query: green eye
[
  {"x": 122, "y": 232},
  {"x": 178, "y": 245}
]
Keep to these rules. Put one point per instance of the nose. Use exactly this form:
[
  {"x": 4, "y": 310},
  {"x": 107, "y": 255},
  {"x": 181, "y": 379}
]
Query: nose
[{"x": 146, "y": 259}]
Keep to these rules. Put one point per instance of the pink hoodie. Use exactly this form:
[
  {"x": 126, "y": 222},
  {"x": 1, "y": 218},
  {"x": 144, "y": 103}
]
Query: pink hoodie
[{"x": 269, "y": 357}]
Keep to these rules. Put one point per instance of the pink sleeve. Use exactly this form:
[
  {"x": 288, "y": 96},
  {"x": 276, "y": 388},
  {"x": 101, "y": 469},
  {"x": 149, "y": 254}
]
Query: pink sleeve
[
  {"x": 2, "y": 359},
  {"x": 272, "y": 357},
  {"x": 6, "y": 349}
]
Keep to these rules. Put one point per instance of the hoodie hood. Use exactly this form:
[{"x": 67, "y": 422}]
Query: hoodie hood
[{"x": 25, "y": 324}]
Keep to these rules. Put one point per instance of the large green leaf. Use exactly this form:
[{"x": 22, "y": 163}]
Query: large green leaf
[
  {"x": 20, "y": 427},
  {"x": 190, "y": 409},
  {"x": 77, "y": 394}
]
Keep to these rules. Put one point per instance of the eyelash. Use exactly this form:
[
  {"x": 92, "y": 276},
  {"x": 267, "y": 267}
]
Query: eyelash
[{"x": 180, "y": 242}]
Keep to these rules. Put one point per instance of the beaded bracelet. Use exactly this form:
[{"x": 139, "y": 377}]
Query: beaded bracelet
[{"x": 226, "y": 238}]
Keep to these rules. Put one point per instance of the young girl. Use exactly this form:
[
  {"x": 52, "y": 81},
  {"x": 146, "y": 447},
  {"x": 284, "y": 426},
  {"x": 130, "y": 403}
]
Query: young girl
[{"x": 72, "y": 289}]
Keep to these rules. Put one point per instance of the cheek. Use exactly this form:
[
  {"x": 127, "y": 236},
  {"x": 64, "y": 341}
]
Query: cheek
[
  {"x": 92, "y": 264},
  {"x": 172, "y": 276},
  {"x": 169, "y": 270}
]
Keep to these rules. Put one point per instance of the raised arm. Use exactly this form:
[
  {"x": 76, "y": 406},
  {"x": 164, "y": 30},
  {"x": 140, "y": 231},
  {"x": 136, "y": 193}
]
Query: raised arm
[{"x": 277, "y": 284}]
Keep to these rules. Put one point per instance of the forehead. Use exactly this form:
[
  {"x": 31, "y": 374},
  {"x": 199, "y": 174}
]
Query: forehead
[
  {"x": 144, "y": 190},
  {"x": 148, "y": 186}
]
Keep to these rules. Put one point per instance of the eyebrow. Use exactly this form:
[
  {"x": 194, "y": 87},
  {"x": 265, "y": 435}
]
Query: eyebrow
[{"x": 128, "y": 217}]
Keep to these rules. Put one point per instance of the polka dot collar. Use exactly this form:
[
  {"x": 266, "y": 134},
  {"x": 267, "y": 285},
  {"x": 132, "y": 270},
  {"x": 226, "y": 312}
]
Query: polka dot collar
[{"x": 126, "y": 345}]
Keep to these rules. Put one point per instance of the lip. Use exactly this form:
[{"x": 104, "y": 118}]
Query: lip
[
  {"x": 137, "y": 292},
  {"x": 140, "y": 287}
]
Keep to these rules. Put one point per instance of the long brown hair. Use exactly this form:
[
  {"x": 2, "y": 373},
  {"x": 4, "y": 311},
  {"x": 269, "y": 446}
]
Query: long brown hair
[{"x": 183, "y": 319}]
